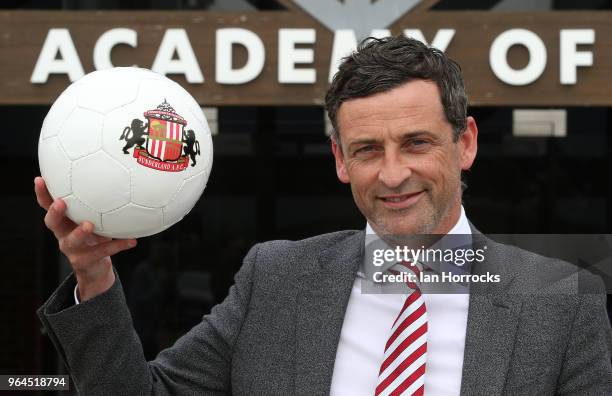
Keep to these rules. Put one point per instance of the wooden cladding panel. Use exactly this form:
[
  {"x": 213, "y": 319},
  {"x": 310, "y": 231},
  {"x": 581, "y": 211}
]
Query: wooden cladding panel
[{"x": 22, "y": 34}]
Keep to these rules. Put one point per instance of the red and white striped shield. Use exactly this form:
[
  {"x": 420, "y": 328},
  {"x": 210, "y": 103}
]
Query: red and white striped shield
[{"x": 164, "y": 140}]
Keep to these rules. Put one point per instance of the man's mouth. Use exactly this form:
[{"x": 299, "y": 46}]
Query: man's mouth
[{"x": 400, "y": 201}]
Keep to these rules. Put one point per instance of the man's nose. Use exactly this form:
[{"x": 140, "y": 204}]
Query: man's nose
[{"x": 395, "y": 170}]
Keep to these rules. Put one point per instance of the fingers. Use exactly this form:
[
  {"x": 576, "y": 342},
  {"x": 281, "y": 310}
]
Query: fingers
[
  {"x": 82, "y": 247},
  {"x": 42, "y": 194},
  {"x": 77, "y": 238},
  {"x": 56, "y": 220},
  {"x": 93, "y": 239},
  {"x": 100, "y": 252}
]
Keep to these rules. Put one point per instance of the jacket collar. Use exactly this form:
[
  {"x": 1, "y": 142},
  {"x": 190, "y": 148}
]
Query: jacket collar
[
  {"x": 321, "y": 306},
  {"x": 492, "y": 322}
]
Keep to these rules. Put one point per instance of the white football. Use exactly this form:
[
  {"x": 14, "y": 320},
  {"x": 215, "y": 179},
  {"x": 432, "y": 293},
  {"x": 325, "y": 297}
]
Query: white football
[{"x": 127, "y": 149}]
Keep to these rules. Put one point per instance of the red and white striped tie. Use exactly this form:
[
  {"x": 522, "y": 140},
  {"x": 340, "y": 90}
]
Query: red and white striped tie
[{"x": 402, "y": 371}]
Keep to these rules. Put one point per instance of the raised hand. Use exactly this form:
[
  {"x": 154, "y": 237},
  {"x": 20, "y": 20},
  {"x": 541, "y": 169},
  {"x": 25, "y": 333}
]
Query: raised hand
[{"x": 89, "y": 254}]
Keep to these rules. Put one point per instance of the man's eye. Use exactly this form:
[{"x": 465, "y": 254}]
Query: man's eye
[
  {"x": 365, "y": 149},
  {"x": 418, "y": 144}
]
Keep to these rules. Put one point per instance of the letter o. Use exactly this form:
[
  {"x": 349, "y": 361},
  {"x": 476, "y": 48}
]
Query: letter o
[{"x": 499, "y": 62}]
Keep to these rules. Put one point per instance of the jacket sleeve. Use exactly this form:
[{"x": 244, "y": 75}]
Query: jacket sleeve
[
  {"x": 98, "y": 344},
  {"x": 587, "y": 367}
]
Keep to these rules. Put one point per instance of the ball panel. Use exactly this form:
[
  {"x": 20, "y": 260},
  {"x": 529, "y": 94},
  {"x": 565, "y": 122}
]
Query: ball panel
[
  {"x": 132, "y": 221},
  {"x": 185, "y": 199},
  {"x": 104, "y": 95},
  {"x": 192, "y": 105},
  {"x": 60, "y": 110},
  {"x": 154, "y": 188},
  {"x": 81, "y": 133},
  {"x": 95, "y": 176},
  {"x": 78, "y": 212},
  {"x": 54, "y": 167},
  {"x": 152, "y": 92}
]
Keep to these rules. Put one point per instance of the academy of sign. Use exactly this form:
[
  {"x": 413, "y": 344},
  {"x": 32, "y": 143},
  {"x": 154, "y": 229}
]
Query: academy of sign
[{"x": 175, "y": 54}]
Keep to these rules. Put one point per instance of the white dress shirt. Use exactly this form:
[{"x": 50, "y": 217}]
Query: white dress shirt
[{"x": 367, "y": 324}]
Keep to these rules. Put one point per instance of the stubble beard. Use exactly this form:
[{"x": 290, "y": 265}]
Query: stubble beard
[{"x": 426, "y": 224}]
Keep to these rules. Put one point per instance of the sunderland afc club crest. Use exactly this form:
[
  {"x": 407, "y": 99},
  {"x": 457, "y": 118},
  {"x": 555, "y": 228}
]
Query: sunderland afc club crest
[{"x": 163, "y": 142}]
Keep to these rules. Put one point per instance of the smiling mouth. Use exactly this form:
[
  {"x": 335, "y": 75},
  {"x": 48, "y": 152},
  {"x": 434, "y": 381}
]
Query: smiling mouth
[{"x": 400, "y": 201}]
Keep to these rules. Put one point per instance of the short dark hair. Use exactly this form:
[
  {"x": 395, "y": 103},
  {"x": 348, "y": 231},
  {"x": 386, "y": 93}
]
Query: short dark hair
[{"x": 380, "y": 65}]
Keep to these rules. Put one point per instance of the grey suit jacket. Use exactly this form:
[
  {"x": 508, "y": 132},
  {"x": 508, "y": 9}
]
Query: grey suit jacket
[{"x": 278, "y": 330}]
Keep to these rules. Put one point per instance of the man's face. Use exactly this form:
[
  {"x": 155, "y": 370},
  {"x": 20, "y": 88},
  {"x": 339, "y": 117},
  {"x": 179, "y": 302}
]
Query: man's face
[{"x": 398, "y": 154}]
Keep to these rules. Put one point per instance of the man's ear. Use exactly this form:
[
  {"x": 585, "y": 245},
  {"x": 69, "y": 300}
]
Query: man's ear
[
  {"x": 469, "y": 144},
  {"x": 340, "y": 165}
]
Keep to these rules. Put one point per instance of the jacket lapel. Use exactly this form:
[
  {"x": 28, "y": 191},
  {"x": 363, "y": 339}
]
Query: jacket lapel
[
  {"x": 492, "y": 323},
  {"x": 322, "y": 302}
]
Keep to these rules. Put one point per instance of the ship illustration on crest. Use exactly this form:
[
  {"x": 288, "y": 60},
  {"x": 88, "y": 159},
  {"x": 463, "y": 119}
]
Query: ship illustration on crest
[{"x": 163, "y": 142}]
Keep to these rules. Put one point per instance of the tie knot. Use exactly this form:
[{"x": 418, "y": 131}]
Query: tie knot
[{"x": 411, "y": 272}]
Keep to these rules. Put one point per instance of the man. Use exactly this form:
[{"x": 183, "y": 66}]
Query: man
[{"x": 297, "y": 322}]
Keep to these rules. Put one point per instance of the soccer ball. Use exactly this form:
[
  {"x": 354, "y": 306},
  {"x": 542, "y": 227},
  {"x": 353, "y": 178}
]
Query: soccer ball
[{"x": 127, "y": 149}]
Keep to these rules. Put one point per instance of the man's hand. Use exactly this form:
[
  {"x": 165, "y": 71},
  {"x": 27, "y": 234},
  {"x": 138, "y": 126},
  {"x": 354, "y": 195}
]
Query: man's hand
[{"x": 89, "y": 254}]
